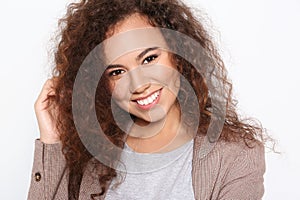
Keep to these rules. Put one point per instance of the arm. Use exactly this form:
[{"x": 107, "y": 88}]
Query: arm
[
  {"x": 244, "y": 179},
  {"x": 48, "y": 173}
]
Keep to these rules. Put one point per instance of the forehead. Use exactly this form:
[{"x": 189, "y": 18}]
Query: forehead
[
  {"x": 132, "y": 34},
  {"x": 134, "y": 21}
]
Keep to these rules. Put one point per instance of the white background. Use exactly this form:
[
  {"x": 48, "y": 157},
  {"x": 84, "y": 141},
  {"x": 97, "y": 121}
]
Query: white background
[{"x": 258, "y": 39}]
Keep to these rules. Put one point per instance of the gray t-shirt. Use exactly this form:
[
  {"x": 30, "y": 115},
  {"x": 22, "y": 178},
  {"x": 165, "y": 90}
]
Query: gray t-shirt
[{"x": 166, "y": 176}]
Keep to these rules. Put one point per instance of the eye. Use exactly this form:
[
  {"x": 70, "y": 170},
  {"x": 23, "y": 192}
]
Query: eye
[
  {"x": 116, "y": 72},
  {"x": 149, "y": 59}
]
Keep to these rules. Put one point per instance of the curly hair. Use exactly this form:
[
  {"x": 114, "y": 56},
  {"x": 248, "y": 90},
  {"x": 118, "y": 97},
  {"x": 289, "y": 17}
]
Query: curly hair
[{"x": 87, "y": 24}]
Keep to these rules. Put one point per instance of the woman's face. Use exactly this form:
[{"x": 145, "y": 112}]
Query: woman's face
[{"x": 143, "y": 82}]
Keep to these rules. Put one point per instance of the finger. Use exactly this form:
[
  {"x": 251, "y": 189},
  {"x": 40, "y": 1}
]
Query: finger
[
  {"x": 47, "y": 90},
  {"x": 48, "y": 87}
]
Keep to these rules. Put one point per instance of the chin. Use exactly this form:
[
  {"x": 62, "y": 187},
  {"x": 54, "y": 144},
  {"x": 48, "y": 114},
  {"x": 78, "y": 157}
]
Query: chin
[{"x": 156, "y": 114}]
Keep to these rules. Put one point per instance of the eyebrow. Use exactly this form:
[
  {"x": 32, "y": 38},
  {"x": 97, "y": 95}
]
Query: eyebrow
[
  {"x": 145, "y": 52},
  {"x": 140, "y": 56},
  {"x": 113, "y": 66}
]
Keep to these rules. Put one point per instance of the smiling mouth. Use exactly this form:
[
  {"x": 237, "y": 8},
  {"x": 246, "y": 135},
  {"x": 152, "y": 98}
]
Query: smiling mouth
[{"x": 148, "y": 102}]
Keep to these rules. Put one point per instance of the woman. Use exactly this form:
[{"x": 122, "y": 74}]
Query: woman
[{"x": 136, "y": 67}]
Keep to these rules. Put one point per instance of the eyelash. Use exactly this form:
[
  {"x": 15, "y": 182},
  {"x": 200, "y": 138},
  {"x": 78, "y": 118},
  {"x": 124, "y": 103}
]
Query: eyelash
[
  {"x": 152, "y": 57},
  {"x": 116, "y": 72},
  {"x": 148, "y": 59}
]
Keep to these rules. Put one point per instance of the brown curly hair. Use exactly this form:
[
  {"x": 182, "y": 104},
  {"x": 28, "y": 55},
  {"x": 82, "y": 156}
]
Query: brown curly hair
[{"x": 87, "y": 24}]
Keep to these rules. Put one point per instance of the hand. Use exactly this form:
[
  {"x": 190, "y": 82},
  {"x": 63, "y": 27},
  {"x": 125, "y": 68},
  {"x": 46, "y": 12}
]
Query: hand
[{"x": 46, "y": 114}]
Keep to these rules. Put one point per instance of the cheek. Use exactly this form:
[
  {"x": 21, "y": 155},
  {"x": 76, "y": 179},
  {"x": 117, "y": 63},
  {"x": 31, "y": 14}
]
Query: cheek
[
  {"x": 174, "y": 82},
  {"x": 166, "y": 76},
  {"x": 120, "y": 94},
  {"x": 119, "y": 89},
  {"x": 120, "y": 102}
]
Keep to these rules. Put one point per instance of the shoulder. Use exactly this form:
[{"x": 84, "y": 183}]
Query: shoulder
[
  {"x": 229, "y": 170},
  {"x": 229, "y": 160},
  {"x": 228, "y": 151}
]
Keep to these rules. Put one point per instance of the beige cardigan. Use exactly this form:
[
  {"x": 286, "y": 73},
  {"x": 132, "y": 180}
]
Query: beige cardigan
[{"x": 229, "y": 171}]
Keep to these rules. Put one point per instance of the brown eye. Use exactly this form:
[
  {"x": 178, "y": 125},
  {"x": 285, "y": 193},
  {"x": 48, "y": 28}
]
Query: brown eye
[
  {"x": 150, "y": 59},
  {"x": 116, "y": 72}
]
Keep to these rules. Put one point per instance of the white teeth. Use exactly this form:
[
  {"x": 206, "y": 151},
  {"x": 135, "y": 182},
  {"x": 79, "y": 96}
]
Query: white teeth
[
  {"x": 149, "y": 99},
  {"x": 141, "y": 102}
]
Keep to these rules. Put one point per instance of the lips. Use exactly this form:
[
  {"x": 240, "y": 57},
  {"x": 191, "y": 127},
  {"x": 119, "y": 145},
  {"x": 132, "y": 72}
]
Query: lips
[{"x": 149, "y": 101}]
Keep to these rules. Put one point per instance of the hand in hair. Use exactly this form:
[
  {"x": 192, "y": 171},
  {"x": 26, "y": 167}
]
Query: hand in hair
[{"x": 46, "y": 114}]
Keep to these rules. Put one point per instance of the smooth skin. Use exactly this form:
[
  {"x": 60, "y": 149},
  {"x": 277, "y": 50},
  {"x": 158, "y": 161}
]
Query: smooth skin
[{"x": 172, "y": 134}]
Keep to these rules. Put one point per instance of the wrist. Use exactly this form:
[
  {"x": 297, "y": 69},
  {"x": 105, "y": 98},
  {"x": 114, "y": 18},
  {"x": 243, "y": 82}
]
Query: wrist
[{"x": 47, "y": 140}]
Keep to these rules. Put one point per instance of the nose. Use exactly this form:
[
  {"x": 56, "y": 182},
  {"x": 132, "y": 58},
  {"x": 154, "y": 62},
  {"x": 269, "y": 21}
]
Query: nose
[
  {"x": 141, "y": 89},
  {"x": 138, "y": 82}
]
